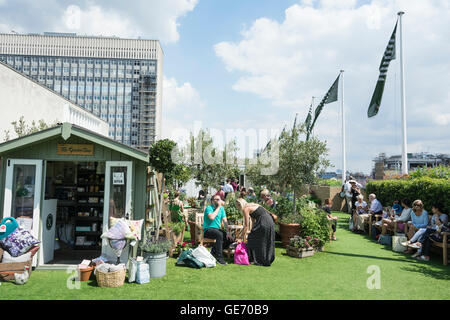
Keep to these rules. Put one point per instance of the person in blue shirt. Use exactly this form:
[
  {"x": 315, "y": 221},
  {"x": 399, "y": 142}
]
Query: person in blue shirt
[
  {"x": 419, "y": 219},
  {"x": 397, "y": 207},
  {"x": 212, "y": 220}
]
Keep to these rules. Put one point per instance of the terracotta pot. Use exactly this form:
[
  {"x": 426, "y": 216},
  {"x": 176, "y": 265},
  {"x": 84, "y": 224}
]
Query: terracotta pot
[
  {"x": 288, "y": 231},
  {"x": 85, "y": 274}
]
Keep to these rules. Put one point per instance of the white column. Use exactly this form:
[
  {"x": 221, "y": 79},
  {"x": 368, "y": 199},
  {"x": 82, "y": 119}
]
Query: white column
[
  {"x": 402, "y": 90},
  {"x": 344, "y": 164}
]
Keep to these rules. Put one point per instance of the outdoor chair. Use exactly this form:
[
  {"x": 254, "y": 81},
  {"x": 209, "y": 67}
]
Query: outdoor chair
[
  {"x": 372, "y": 219},
  {"x": 444, "y": 245},
  {"x": 199, "y": 238}
]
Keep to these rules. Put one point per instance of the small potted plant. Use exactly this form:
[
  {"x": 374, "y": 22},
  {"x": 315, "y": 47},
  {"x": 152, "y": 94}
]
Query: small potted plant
[
  {"x": 300, "y": 247},
  {"x": 155, "y": 253},
  {"x": 186, "y": 245}
]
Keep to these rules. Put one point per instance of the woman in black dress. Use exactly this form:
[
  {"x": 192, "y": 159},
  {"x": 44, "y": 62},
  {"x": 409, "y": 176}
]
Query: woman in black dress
[{"x": 261, "y": 240}]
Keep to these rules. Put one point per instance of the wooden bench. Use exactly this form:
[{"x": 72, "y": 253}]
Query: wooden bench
[{"x": 443, "y": 246}]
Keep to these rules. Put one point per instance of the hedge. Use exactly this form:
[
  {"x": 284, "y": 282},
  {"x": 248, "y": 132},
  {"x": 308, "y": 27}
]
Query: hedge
[{"x": 429, "y": 190}]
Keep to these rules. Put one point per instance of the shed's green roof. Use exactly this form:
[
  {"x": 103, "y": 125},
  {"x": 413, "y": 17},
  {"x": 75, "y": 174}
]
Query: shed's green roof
[{"x": 65, "y": 130}]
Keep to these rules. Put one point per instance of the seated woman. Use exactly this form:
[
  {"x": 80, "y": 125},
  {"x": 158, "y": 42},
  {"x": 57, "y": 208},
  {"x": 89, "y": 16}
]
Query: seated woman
[
  {"x": 438, "y": 220},
  {"x": 360, "y": 213},
  {"x": 261, "y": 240},
  {"x": 419, "y": 219},
  {"x": 405, "y": 216},
  {"x": 433, "y": 235},
  {"x": 331, "y": 218}
]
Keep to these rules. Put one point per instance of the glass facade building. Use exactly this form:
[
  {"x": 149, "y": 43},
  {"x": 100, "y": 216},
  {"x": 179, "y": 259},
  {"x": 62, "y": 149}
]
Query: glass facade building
[{"x": 118, "y": 80}]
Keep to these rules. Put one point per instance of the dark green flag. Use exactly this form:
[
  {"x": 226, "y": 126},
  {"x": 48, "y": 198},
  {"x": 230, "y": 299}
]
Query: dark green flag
[
  {"x": 389, "y": 54},
  {"x": 308, "y": 121},
  {"x": 330, "y": 96}
]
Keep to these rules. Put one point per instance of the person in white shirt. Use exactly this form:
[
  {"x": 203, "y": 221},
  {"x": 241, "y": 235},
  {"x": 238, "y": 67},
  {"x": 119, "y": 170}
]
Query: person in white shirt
[
  {"x": 228, "y": 188},
  {"x": 347, "y": 188},
  {"x": 360, "y": 214}
]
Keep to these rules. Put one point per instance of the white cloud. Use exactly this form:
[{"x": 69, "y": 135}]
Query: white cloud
[
  {"x": 181, "y": 106},
  {"x": 149, "y": 19},
  {"x": 96, "y": 20},
  {"x": 290, "y": 61}
]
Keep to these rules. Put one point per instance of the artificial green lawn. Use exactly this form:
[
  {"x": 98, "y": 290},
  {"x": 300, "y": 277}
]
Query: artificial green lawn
[{"x": 339, "y": 272}]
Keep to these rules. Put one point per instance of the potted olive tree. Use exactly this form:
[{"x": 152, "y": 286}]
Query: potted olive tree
[{"x": 298, "y": 161}]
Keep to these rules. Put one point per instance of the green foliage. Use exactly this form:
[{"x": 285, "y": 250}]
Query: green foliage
[
  {"x": 329, "y": 182},
  {"x": 429, "y": 190},
  {"x": 233, "y": 214},
  {"x": 160, "y": 154},
  {"x": 210, "y": 165},
  {"x": 192, "y": 201},
  {"x": 22, "y": 129},
  {"x": 177, "y": 227},
  {"x": 284, "y": 207},
  {"x": 304, "y": 243},
  {"x": 298, "y": 161},
  {"x": 439, "y": 172},
  {"x": 315, "y": 224},
  {"x": 155, "y": 246}
]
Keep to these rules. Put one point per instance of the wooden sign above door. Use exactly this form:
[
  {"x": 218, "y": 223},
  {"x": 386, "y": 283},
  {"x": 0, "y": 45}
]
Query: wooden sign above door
[{"x": 76, "y": 149}]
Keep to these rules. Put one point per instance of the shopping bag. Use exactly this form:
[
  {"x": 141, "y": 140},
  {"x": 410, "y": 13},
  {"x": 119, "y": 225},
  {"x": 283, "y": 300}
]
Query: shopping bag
[
  {"x": 240, "y": 254},
  {"x": 350, "y": 223},
  {"x": 385, "y": 239},
  {"x": 203, "y": 255},
  {"x": 187, "y": 259},
  {"x": 132, "y": 271},
  {"x": 143, "y": 272}
]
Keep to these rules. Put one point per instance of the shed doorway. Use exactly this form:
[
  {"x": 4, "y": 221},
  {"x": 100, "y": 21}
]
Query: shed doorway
[{"x": 77, "y": 189}]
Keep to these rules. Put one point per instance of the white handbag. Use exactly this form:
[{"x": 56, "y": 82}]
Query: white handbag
[
  {"x": 350, "y": 223},
  {"x": 203, "y": 255},
  {"x": 397, "y": 243}
]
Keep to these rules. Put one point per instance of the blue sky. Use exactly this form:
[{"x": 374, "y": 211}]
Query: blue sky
[{"x": 254, "y": 64}]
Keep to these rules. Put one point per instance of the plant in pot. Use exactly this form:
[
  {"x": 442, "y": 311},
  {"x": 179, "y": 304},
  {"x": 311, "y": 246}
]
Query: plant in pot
[
  {"x": 176, "y": 231},
  {"x": 300, "y": 247},
  {"x": 155, "y": 253},
  {"x": 315, "y": 225},
  {"x": 298, "y": 162},
  {"x": 289, "y": 224}
]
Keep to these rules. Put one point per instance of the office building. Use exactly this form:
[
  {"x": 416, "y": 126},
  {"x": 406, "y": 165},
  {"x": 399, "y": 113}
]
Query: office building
[{"x": 118, "y": 80}]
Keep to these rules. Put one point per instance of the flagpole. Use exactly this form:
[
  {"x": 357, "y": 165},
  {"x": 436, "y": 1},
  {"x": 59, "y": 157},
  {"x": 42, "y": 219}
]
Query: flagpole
[
  {"x": 344, "y": 165},
  {"x": 402, "y": 90}
]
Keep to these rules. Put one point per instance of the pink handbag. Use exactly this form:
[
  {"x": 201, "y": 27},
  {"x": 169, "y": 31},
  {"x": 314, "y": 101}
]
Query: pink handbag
[{"x": 240, "y": 254}]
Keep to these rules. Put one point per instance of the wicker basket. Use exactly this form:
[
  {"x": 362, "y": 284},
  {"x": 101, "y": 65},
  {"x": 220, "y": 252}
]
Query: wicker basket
[{"x": 110, "y": 279}]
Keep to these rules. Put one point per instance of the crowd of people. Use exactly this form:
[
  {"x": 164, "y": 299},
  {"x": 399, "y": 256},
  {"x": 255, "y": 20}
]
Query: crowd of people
[{"x": 403, "y": 216}]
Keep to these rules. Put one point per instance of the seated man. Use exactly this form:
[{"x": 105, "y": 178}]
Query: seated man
[
  {"x": 375, "y": 206},
  {"x": 212, "y": 220}
]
